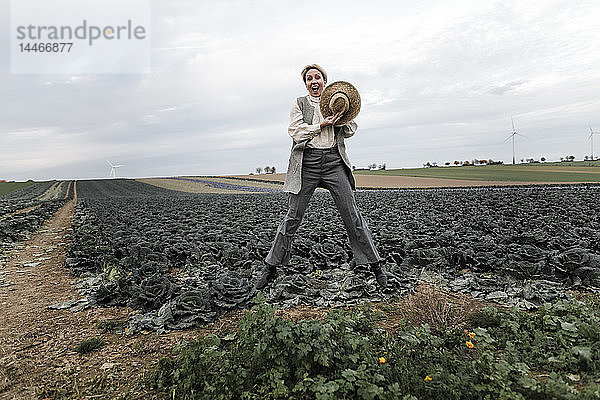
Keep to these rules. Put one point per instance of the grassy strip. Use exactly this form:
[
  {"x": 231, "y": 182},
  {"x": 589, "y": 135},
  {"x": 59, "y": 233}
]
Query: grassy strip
[
  {"x": 504, "y": 173},
  {"x": 552, "y": 353},
  {"x": 7, "y": 187}
]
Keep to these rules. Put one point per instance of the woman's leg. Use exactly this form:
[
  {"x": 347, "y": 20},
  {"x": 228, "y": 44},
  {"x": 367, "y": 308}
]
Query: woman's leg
[
  {"x": 335, "y": 179},
  {"x": 364, "y": 250},
  {"x": 282, "y": 245},
  {"x": 281, "y": 248}
]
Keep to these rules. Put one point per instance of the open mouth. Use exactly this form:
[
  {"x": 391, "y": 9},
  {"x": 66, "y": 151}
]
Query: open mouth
[{"x": 315, "y": 87}]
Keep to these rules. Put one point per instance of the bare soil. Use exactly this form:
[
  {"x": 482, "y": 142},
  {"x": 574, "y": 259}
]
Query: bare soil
[{"x": 400, "y": 182}]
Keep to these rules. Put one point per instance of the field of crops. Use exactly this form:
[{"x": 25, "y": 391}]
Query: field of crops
[
  {"x": 185, "y": 259},
  {"x": 182, "y": 260},
  {"x": 24, "y": 210},
  {"x": 213, "y": 185},
  {"x": 540, "y": 173}
]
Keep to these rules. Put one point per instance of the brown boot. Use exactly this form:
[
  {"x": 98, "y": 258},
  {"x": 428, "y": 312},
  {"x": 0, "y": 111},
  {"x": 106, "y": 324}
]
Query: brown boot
[
  {"x": 380, "y": 274},
  {"x": 268, "y": 274}
]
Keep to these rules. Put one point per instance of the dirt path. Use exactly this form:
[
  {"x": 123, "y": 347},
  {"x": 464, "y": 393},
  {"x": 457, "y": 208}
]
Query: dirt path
[
  {"x": 37, "y": 357},
  {"x": 69, "y": 189},
  {"x": 52, "y": 192}
]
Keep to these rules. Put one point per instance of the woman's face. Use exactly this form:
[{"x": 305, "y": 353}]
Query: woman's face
[{"x": 314, "y": 82}]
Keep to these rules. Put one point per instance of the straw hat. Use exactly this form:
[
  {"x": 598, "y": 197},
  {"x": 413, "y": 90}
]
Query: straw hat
[{"x": 343, "y": 97}]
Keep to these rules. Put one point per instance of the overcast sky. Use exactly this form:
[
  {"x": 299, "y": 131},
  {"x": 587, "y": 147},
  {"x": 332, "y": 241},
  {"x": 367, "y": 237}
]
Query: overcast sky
[{"x": 439, "y": 81}]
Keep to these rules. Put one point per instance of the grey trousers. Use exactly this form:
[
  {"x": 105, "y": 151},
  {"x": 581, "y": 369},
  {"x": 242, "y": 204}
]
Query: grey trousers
[{"x": 324, "y": 168}]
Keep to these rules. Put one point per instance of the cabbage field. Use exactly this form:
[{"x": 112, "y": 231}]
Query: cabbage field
[
  {"x": 25, "y": 210},
  {"x": 184, "y": 259}
]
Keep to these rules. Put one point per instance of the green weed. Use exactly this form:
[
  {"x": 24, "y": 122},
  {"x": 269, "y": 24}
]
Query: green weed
[
  {"x": 87, "y": 346},
  {"x": 112, "y": 326},
  {"x": 552, "y": 353}
]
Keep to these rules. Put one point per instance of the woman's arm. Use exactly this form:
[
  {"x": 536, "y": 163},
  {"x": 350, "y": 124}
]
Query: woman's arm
[
  {"x": 349, "y": 129},
  {"x": 298, "y": 129}
]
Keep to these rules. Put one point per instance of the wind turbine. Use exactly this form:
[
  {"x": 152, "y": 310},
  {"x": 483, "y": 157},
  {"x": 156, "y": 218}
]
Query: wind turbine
[
  {"x": 591, "y": 138},
  {"x": 512, "y": 135},
  {"x": 113, "y": 169}
]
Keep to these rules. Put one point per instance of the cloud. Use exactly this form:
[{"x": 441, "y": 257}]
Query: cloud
[{"x": 439, "y": 81}]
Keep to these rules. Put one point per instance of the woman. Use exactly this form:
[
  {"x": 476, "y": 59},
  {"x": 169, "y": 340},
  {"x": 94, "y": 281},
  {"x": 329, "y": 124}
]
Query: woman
[{"x": 319, "y": 159}]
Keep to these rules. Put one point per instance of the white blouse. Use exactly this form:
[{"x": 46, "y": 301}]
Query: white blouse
[{"x": 320, "y": 138}]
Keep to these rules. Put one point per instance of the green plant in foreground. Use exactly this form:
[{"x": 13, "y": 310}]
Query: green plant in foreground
[
  {"x": 553, "y": 353},
  {"x": 276, "y": 358},
  {"x": 87, "y": 346},
  {"x": 112, "y": 325}
]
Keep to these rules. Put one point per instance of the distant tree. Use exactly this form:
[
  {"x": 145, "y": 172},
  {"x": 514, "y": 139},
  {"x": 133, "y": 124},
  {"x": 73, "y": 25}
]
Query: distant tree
[
  {"x": 466, "y": 162},
  {"x": 543, "y": 159},
  {"x": 427, "y": 164},
  {"x": 273, "y": 169},
  {"x": 267, "y": 170},
  {"x": 447, "y": 163},
  {"x": 373, "y": 166},
  {"x": 456, "y": 162},
  {"x": 562, "y": 159},
  {"x": 381, "y": 166},
  {"x": 259, "y": 170},
  {"x": 571, "y": 158},
  {"x": 483, "y": 161},
  {"x": 353, "y": 167}
]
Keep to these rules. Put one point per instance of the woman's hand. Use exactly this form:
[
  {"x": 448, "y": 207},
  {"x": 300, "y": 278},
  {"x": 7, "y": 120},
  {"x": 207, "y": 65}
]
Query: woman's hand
[{"x": 331, "y": 120}]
